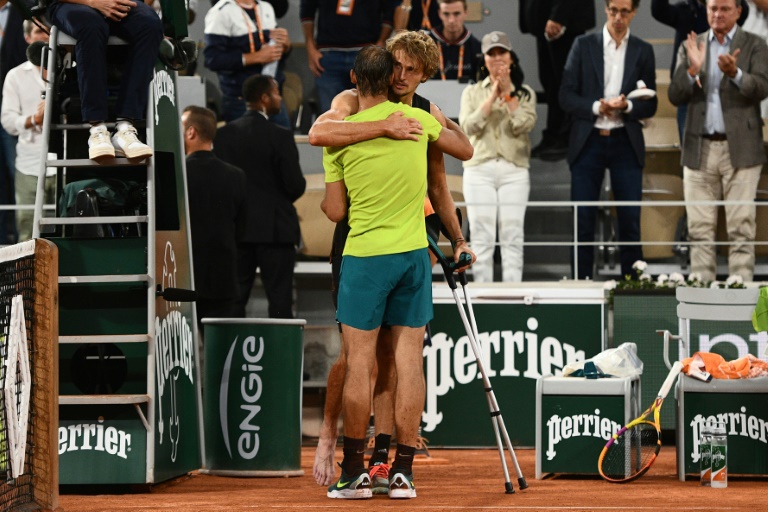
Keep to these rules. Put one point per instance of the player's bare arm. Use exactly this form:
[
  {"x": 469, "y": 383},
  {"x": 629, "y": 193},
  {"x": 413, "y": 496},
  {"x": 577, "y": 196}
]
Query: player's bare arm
[
  {"x": 442, "y": 202},
  {"x": 330, "y": 129},
  {"x": 334, "y": 203},
  {"x": 452, "y": 139}
]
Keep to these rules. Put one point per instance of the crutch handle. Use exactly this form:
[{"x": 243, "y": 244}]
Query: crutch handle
[{"x": 449, "y": 266}]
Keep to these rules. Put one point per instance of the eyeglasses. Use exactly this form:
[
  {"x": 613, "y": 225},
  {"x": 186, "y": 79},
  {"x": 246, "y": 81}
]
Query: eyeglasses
[{"x": 612, "y": 11}]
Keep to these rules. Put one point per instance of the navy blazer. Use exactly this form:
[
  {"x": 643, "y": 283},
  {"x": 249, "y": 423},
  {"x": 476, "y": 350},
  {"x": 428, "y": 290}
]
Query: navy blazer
[
  {"x": 268, "y": 155},
  {"x": 583, "y": 84}
]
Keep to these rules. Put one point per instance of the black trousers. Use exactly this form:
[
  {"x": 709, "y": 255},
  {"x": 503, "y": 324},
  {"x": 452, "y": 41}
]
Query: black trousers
[
  {"x": 552, "y": 57},
  {"x": 275, "y": 263}
]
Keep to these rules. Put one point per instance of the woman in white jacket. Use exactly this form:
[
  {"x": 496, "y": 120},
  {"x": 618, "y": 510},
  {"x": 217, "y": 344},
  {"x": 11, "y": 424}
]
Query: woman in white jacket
[{"x": 498, "y": 114}]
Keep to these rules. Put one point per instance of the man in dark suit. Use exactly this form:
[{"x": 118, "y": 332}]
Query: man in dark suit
[
  {"x": 722, "y": 75},
  {"x": 217, "y": 213},
  {"x": 556, "y": 24},
  {"x": 268, "y": 155},
  {"x": 602, "y": 69}
]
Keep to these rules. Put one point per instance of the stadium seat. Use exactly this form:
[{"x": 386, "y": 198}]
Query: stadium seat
[
  {"x": 660, "y": 223},
  {"x": 316, "y": 229}
]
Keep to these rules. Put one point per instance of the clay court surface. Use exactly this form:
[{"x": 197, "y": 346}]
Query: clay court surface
[{"x": 454, "y": 480}]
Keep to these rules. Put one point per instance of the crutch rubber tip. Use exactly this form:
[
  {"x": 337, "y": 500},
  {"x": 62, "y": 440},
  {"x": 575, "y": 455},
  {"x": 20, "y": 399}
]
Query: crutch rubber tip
[
  {"x": 510, "y": 489},
  {"x": 522, "y": 483}
]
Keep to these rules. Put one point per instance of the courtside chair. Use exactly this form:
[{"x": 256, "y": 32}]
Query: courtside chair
[{"x": 708, "y": 398}]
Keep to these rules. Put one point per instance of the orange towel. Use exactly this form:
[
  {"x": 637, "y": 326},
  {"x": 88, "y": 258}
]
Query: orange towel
[{"x": 743, "y": 368}]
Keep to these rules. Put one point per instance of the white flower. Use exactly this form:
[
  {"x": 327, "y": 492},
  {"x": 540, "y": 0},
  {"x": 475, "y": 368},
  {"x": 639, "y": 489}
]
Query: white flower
[
  {"x": 645, "y": 277},
  {"x": 734, "y": 280},
  {"x": 662, "y": 280},
  {"x": 676, "y": 277},
  {"x": 640, "y": 265},
  {"x": 695, "y": 277},
  {"x": 609, "y": 285},
  {"x": 714, "y": 284}
]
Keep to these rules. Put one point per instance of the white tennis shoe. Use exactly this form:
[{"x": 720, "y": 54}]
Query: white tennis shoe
[
  {"x": 126, "y": 142},
  {"x": 99, "y": 146}
]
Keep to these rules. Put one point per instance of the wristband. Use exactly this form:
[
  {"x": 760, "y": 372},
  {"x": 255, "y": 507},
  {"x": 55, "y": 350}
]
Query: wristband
[
  {"x": 459, "y": 239},
  {"x": 406, "y": 9}
]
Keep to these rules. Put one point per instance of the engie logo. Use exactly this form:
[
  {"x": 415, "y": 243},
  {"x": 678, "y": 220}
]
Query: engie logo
[
  {"x": 737, "y": 424},
  {"x": 92, "y": 436},
  {"x": 247, "y": 376},
  {"x": 577, "y": 425}
]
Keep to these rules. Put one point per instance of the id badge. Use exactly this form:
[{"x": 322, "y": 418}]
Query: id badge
[{"x": 345, "y": 7}]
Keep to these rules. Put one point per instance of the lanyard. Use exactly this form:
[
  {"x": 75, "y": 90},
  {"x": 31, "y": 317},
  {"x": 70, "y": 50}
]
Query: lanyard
[
  {"x": 442, "y": 63},
  {"x": 425, "y": 24},
  {"x": 258, "y": 26}
]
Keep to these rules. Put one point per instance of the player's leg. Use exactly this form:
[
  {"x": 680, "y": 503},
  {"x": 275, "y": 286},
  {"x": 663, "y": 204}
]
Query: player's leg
[
  {"x": 363, "y": 290},
  {"x": 324, "y": 468},
  {"x": 383, "y": 412},
  {"x": 360, "y": 352},
  {"x": 407, "y": 343},
  {"x": 409, "y": 308}
]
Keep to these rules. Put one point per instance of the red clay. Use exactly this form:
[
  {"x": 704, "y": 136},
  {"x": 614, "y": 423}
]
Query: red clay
[{"x": 464, "y": 480}]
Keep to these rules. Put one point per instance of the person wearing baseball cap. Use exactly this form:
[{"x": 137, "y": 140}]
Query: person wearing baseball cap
[{"x": 498, "y": 114}]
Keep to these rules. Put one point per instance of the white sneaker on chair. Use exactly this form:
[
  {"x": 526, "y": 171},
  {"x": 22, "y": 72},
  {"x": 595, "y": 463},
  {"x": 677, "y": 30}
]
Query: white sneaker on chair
[
  {"x": 126, "y": 143},
  {"x": 99, "y": 146}
]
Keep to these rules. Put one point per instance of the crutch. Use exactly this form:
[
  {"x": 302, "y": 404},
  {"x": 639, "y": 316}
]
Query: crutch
[{"x": 449, "y": 268}]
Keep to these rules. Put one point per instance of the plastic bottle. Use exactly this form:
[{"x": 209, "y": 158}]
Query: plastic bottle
[
  {"x": 705, "y": 455},
  {"x": 270, "y": 69},
  {"x": 719, "y": 457}
]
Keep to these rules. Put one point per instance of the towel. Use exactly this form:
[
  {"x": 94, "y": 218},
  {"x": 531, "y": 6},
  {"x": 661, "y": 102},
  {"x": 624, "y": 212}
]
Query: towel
[{"x": 746, "y": 367}]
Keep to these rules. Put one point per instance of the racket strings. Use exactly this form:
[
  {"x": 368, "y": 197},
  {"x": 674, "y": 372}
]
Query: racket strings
[{"x": 631, "y": 453}]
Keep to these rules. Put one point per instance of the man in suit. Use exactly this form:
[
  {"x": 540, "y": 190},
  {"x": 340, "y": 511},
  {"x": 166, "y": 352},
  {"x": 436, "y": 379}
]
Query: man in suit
[
  {"x": 269, "y": 156},
  {"x": 217, "y": 213},
  {"x": 556, "y": 24},
  {"x": 722, "y": 75},
  {"x": 602, "y": 69}
]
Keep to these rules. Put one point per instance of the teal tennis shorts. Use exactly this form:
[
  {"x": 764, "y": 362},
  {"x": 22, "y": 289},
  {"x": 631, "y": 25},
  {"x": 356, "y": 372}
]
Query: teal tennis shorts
[{"x": 395, "y": 289}]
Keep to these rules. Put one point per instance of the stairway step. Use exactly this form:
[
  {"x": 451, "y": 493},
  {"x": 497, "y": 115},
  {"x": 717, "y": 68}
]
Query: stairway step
[
  {"x": 105, "y": 338},
  {"x": 102, "y": 399},
  {"x": 115, "y": 278},
  {"x": 85, "y": 162},
  {"x": 139, "y": 125},
  {"x": 117, "y": 219}
]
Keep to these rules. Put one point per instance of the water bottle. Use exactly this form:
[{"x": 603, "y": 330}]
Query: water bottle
[
  {"x": 705, "y": 455},
  {"x": 270, "y": 69},
  {"x": 719, "y": 457}
]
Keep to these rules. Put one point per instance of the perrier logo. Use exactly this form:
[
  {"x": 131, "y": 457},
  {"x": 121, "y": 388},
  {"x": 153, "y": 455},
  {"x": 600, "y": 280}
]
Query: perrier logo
[{"x": 717, "y": 457}]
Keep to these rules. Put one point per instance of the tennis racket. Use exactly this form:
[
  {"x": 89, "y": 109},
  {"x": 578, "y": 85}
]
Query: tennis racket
[{"x": 633, "y": 449}]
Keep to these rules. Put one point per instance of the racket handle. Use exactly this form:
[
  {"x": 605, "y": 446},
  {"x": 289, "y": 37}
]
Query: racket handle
[{"x": 676, "y": 369}]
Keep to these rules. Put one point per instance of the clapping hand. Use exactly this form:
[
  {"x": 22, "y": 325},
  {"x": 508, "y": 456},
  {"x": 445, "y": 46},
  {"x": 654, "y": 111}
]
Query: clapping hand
[
  {"x": 696, "y": 54},
  {"x": 727, "y": 63}
]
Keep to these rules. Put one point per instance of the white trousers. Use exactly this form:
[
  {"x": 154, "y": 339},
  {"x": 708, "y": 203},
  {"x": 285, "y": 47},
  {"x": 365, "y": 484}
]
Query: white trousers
[{"x": 496, "y": 193}]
